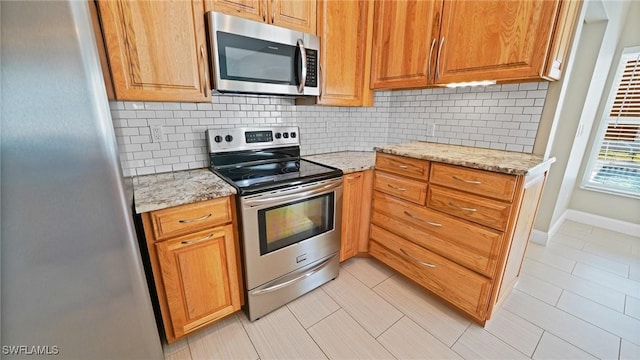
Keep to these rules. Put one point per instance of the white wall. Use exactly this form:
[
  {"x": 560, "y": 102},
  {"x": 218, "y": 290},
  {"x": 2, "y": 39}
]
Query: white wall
[
  {"x": 502, "y": 117},
  {"x": 616, "y": 207},
  {"x": 576, "y": 113}
]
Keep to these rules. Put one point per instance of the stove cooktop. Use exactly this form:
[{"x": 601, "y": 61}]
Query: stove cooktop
[{"x": 249, "y": 179}]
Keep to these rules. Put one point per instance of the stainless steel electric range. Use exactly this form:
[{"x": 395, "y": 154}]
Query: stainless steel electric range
[{"x": 289, "y": 212}]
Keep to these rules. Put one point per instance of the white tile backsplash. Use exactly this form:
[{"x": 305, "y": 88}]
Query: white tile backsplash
[{"x": 498, "y": 116}]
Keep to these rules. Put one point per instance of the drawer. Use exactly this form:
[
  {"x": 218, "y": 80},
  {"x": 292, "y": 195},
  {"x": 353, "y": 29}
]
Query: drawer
[
  {"x": 413, "y": 168},
  {"x": 410, "y": 190},
  {"x": 457, "y": 285},
  {"x": 184, "y": 219},
  {"x": 481, "y": 210},
  {"x": 473, "y": 246},
  {"x": 481, "y": 182}
]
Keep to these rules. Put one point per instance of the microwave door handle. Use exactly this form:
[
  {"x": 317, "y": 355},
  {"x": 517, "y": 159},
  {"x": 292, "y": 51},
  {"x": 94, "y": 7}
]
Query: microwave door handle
[{"x": 303, "y": 58}]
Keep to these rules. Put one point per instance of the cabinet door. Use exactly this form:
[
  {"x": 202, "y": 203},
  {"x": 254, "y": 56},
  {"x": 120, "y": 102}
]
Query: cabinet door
[
  {"x": 156, "y": 49},
  {"x": 404, "y": 40},
  {"x": 351, "y": 214},
  {"x": 563, "y": 33},
  {"x": 293, "y": 14},
  {"x": 345, "y": 29},
  {"x": 200, "y": 277},
  {"x": 248, "y": 9},
  {"x": 494, "y": 39}
]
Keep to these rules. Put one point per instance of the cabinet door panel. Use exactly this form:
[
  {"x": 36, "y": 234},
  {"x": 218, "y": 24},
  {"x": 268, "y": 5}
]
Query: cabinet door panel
[
  {"x": 403, "y": 35},
  {"x": 351, "y": 214},
  {"x": 344, "y": 28},
  {"x": 496, "y": 39},
  {"x": 156, "y": 49},
  {"x": 294, "y": 14},
  {"x": 248, "y": 9},
  {"x": 198, "y": 272}
]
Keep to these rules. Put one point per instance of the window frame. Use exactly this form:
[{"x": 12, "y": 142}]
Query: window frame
[{"x": 606, "y": 120}]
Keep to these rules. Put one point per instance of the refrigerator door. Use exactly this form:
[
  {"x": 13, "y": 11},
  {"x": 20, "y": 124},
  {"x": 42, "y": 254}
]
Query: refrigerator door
[{"x": 72, "y": 279}]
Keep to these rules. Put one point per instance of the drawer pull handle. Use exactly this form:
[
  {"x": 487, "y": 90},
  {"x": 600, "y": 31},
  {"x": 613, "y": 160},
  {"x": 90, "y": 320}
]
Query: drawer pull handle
[
  {"x": 197, "y": 241},
  {"x": 416, "y": 260},
  {"x": 474, "y": 182},
  {"x": 403, "y": 166},
  {"x": 396, "y": 188},
  {"x": 422, "y": 220},
  {"x": 186, "y": 221},
  {"x": 462, "y": 208}
]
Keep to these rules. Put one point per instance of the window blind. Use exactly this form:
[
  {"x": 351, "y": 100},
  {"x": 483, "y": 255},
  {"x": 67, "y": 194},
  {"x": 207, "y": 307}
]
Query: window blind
[{"x": 615, "y": 163}]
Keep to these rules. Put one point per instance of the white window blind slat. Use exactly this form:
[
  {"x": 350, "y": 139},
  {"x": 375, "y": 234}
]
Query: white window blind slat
[{"x": 615, "y": 163}]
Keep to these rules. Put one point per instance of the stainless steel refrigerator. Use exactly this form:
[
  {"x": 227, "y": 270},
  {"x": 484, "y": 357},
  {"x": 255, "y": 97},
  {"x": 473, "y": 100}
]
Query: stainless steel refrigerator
[{"x": 73, "y": 285}]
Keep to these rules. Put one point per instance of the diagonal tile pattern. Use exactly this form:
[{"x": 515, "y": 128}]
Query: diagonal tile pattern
[{"x": 578, "y": 298}]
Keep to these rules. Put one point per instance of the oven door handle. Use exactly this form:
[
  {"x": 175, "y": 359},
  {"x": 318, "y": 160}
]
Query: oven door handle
[
  {"x": 294, "y": 196},
  {"x": 294, "y": 280}
]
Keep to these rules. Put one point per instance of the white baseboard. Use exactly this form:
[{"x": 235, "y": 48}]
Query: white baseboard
[
  {"x": 541, "y": 237},
  {"x": 603, "y": 222}
]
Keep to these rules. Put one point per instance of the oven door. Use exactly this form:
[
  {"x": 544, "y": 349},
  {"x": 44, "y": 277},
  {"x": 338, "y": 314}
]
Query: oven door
[{"x": 287, "y": 229}]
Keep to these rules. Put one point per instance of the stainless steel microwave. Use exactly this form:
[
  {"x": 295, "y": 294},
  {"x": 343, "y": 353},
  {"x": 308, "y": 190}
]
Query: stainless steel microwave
[{"x": 252, "y": 57}]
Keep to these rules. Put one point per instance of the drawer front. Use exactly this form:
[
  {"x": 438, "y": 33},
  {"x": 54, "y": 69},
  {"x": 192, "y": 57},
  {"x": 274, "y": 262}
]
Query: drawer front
[
  {"x": 485, "y": 183},
  {"x": 192, "y": 217},
  {"x": 410, "y": 190},
  {"x": 413, "y": 168},
  {"x": 484, "y": 211},
  {"x": 459, "y": 286},
  {"x": 472, "y": 246}
]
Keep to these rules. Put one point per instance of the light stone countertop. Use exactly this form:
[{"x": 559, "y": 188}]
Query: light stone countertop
[
  {"x": 161, "y": 191},
  {"x": 508, "y": 162},
  {"x": 347, "y": 161}
]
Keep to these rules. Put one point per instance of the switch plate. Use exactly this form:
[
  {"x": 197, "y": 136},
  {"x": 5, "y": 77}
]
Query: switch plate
[{"x": 156, "y": 133}]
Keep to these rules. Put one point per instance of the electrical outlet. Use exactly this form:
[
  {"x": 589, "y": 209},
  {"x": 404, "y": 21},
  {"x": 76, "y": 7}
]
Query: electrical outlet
[
  {"x": 156, "y": 133},
  {"x": 431, "y": 129}
]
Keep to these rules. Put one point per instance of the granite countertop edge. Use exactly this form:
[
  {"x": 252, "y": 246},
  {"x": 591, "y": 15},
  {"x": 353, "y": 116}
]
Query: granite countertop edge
[
  {"x": 160, "y": 191},
  {"x": 347, "y": 161},
  {"x": 501, "y": 161}
]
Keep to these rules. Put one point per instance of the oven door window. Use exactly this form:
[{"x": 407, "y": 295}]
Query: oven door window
[
  {"x": 293, "y": 222},
  {"x": 248, "y": 59}
]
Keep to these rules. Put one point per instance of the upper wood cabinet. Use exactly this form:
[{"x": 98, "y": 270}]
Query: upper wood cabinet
[
  {"x": 404, "y": 35},
  {"x": 293, "y": 14},
  {"x": 156, "y": 49},
  {"x": 345, "y": 29},
  {"x": 421, "y": 43}
]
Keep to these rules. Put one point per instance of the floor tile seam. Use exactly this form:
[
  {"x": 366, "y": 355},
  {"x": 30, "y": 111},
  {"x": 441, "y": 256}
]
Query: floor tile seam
[
  {"x": 381, "y": 344},
  {"x": 626, "y": 258},
  {"x": 370, "y": 287},
  {"x": 634, "y": 283},
  {"x": 314, "y": 339},
  {"x": 539, "y": 340},
  {"x": 572, "y": 291},
  {"x": 575, "y": 293},
  {"x": 577, "y": 346},
  {"x": 524, "y": 319},
  {"x": 626, "y": 300},
  {"x": 601, "y": 267},
  {"x": 548, "y": 265},
  {"x": 319, "y": 321},
  {"x": 248, "y": 335},
  {"x": 361, "y": 326},
  {"x": 577, "y": 318},
  {"x": 636, "y": 342},
  {"x": 417, "y": 322}
]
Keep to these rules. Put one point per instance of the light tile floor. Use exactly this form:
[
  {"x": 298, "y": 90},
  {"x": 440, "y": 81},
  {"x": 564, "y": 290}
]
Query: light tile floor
[{"x": 577, "y": 298}]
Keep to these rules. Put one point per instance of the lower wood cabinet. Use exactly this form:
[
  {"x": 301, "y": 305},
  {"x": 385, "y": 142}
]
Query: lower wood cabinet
[
  {"x": 356, "y": 208},
  {"x": 196, "y": 273},
  {"x": 464, "y": 242}
]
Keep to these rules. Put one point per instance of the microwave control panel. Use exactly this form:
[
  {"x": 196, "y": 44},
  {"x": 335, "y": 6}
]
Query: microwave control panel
[{"x": 312, "y": 65}]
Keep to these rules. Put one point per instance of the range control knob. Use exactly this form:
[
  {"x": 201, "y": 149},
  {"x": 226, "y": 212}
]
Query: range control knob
[
  {"x": 293, "y": 135},
  {"x": 218, "y": 139},
  {"x": 229, "y": 138},
  {"x": 278, "y": 135},
  {"x": 285, "y": 135}
]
